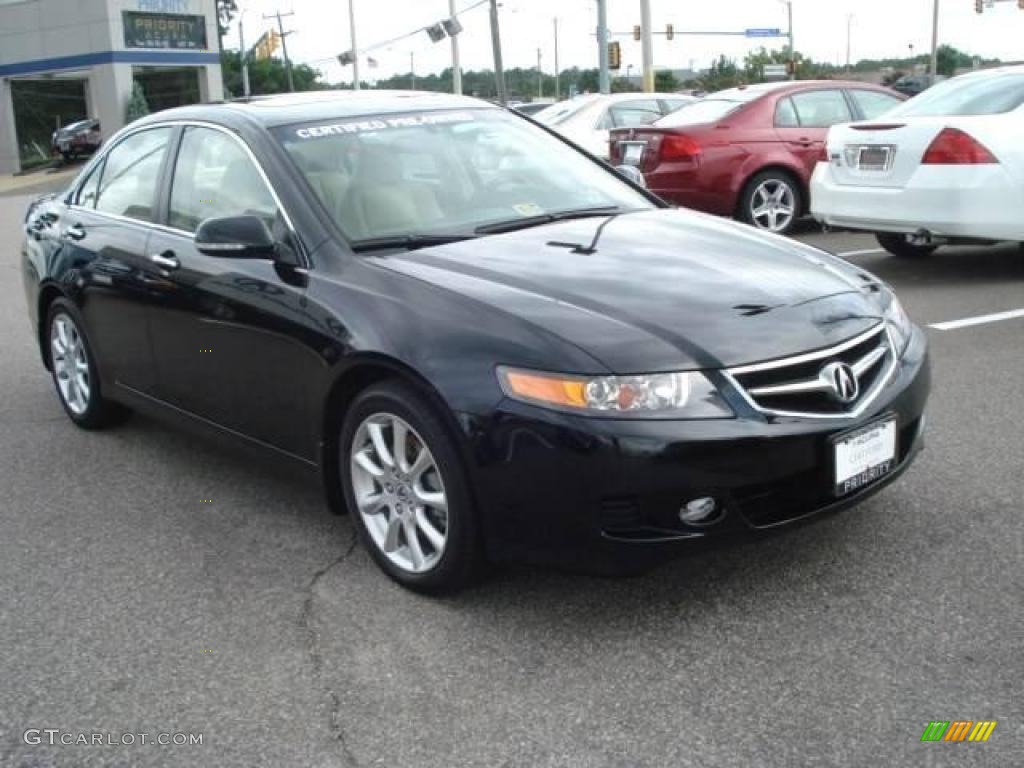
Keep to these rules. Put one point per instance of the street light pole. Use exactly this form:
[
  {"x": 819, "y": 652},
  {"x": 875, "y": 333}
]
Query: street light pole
[
  {"x": 647, "y": 45},
  {"x": 556, "y": 59},
  {"x": 849, "y": 24},
  {"x": 244, "y": 59},
  {"x": 540, "y": 77},
  {"x": 456, "y": 68},
  {"x": 604, "y": 80},
  {"x": 935, "y": 41},
  {"x": 355, "y": 50},
  {"x": 499, "y": 70}
]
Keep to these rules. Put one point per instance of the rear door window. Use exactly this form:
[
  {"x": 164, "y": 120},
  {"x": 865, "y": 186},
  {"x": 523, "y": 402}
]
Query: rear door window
[
  {"x": 821, "y": 109},
  {"x": 873, "y": 103}
]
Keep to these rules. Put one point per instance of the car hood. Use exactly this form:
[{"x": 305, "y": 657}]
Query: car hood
[{"x": 657, "y": 290}]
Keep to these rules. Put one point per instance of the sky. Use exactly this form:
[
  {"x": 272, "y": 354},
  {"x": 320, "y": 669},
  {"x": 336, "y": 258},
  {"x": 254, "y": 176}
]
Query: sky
[{"x": 879, "y": 28}]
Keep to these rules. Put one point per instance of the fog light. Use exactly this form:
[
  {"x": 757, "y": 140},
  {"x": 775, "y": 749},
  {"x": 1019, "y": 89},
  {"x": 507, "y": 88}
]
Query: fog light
[{"x": 698, "y": 511}]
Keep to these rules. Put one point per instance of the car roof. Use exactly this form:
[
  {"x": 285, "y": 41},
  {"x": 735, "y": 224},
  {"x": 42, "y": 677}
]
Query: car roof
[
  {"x": 309, "y": 106},
  {"x": 755, "y": 90}
]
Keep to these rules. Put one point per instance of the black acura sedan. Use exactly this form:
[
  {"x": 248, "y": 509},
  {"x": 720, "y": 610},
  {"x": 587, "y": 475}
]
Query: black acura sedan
[{"x": 488, "y": 345}]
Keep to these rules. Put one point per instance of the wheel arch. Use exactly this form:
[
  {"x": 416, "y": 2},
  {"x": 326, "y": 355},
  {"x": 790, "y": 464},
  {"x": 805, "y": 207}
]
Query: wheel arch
[
  {"x": 361, "y": 373},
  {"x": 780, "y": 167},
  {"x": 47, "y": 295}
]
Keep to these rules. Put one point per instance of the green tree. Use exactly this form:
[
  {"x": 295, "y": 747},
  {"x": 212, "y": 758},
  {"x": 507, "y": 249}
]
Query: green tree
[
  {"x": 665, "y": 82},
  {"x": 722, "y": 74},
  {"x": 137, "y": 106},
  {"x": 267, "y": 76},
  {"x": 948, "y": 58}
]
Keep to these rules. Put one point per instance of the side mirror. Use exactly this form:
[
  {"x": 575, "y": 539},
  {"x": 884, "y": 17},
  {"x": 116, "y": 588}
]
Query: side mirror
[
  {"x": 238, "y": 237},
  {"x": 632, "y": 173}
]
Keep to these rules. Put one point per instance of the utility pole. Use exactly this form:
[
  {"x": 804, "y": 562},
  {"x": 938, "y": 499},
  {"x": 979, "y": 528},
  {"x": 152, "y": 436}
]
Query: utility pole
[
  {"x": 499, "y": 70},
  {"x": 355, "y": 50},
  {"x": 935, "y": 41},
  {"x": 792, "y": 55},
  {"x": 540, "y": 77},
  {"x": 647, "y": 45},
  {"x": 412, "y": 70},
  {"x": 556, "y": 60},
  {"x": 849, "y": 24},
  {"x": 456, "y": 69},
  {"x": 244, "y": 57},
  {"x": 284, "y": 44},
  {"x": 602, "y": 46}
]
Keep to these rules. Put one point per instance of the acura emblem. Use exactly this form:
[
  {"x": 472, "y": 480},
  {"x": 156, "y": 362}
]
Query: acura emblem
[{"x": 842, "y": 381}]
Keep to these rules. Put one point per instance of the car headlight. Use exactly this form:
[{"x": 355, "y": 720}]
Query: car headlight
[
  {"x": 682, "y": 395},
  {"x": 899, "y": 324}
]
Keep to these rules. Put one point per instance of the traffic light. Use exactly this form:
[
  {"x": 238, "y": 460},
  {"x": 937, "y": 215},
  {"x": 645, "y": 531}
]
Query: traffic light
[
  {"x": 979, "y": 6},
  {"x": 274, "y": 41},
  {"x": 614, "y": 55},
  {"x": 636, "y": 31},
  {"x": 670, "y": 32},
  {"x": 1020, "y": 4}
]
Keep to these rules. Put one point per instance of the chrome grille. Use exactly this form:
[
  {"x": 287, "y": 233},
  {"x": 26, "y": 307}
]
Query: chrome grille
[{"x": 814, "y": 384}]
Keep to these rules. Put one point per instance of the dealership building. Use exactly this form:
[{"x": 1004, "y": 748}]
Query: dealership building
[{"x": 67, "y": 60}]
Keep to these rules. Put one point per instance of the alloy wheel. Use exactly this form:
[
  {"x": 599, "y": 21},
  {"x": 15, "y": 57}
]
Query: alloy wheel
[
  {"x": 70, "y": 364},
  {"x": 399, "y": 492},
  {"x": 773, "y": 205}
]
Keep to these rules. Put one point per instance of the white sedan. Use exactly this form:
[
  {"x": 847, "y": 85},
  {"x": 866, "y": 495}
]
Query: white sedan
[
  {"x": 586, "y": 120},
  {"x": 945, "y": 167}
]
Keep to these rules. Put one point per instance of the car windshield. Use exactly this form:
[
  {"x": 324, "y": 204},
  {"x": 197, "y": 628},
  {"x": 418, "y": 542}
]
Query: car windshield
[
  {"x": 984, "y": 94},
  {"x": 705, "y": 111},
  {"x": 448, "y": 173}
]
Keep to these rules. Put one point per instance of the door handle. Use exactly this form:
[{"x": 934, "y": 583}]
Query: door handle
[
  {"x": 75, "y": 232},
  {"x": 167, "y": 260}
]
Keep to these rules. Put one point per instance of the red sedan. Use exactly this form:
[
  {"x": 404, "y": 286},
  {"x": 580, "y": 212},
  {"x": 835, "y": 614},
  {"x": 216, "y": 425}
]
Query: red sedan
[{"x": 748, "y": 152}]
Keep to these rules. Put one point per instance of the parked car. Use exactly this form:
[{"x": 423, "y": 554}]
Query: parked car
[
  {"x": 911, "y": 85},
  {"x": 533, "y": 107},
  {"x": 946, "y": 167},
  {"x": 586, "y": 120},
  {"x": 546, "y": 364},
  {"x": 78, "y": 138},
  {"x": 748, "y": 152}
]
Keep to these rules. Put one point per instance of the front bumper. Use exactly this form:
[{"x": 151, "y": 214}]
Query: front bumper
[
  {"x": 973, "y": 202},
  {"x": 605, "y": 494}
]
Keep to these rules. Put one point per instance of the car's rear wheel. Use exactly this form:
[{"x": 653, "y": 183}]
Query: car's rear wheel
[
  {"x": 771, "y": 201},
  {"x": 404, "y": 483},
  {"x": 900, "y": 245},
  {"x": 73, "y": 368}
]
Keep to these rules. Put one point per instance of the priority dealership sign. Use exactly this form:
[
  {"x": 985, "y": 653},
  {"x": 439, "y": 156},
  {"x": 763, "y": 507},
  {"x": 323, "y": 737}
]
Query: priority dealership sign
[{"x": 163, "y": 30}]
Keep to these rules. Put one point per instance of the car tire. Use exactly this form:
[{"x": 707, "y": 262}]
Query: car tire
[
  {"x": 419, "y": 523},
  {"x": 772, "y": 201},
  {"x": 898, "y": 245},
  {"x": 74, "y": 372}
]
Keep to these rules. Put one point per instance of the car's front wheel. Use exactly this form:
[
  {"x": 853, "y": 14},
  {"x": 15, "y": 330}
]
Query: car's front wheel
[
  {"x": 73, "y": 368},
  {"x": 405, "y": 485},
  {"x": 900, "y": 245},
  {"x": 772, "y": 201}
]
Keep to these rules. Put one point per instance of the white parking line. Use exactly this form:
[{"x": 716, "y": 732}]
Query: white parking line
[
  {"x": 867, "y": 252},
  {"x": 979, "y": 320}
]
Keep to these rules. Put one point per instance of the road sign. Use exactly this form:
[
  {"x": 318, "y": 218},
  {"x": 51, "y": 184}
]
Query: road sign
[
  {"x": 763, "y": 33},
  {"x": 775, "y": 70}
]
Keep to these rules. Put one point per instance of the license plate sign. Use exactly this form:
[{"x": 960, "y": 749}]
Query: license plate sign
[
  {"x": 632, "y": 152},
  {"x": 864, "y": 456},
  {"x": 874, "y": 158}
]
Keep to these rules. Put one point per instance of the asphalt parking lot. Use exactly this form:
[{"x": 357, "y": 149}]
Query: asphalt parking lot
[{"x": 150, "y": 583}]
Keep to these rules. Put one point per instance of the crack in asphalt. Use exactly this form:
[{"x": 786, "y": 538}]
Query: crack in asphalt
[{"x": 306, "y": 622}]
